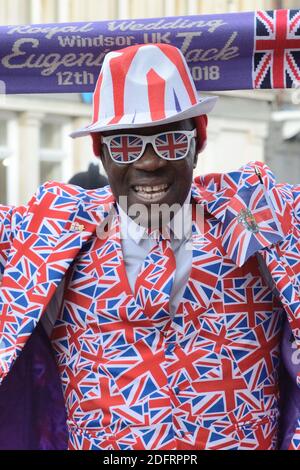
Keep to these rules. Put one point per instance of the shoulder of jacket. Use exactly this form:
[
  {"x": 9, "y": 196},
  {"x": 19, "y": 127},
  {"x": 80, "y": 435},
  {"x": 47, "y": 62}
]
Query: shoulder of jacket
[
  {"x": 248, "y": 174},
  {"x": 255, "y": 212},
  {"x": 70, "y": 191},
  {"x": 256, "y": 171}
]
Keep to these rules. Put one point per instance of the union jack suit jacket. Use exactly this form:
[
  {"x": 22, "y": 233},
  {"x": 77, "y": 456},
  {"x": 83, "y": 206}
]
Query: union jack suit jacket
[{"x": 209, "y": 378}]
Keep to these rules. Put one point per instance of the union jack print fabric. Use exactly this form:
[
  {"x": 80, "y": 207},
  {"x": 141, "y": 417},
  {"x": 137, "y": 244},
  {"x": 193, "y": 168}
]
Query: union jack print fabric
[
  {"x": 155, "y": 281},
  {"x": 209, "y": 378},
  {"x": 277, "y": 49}
]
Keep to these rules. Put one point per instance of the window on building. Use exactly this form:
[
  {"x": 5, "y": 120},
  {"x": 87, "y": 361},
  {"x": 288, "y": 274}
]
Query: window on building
[{"x": 51, "y": 152}]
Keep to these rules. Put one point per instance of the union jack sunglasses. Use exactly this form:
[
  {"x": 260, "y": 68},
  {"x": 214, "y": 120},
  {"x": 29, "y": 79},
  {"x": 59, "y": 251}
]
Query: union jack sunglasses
[{"x": 128, "y": 148}]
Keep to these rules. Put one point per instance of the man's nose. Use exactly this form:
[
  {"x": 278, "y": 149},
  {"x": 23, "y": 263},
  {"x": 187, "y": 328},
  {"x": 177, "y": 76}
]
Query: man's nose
[{"x": 149, "y": 161}]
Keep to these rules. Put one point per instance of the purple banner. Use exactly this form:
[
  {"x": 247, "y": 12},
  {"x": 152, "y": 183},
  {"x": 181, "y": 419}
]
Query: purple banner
[{"x": 224, "y": 52}]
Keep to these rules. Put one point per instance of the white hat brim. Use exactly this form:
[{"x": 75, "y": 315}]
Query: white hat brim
[{"x": 204, "y": 106}]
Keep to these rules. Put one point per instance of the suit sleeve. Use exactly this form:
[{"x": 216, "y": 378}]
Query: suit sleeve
[
  {"x": 291, "y": 347},
  {"x": 11, "y": 219},
  {"x": 32, "y": 412},
  {"x": 11, "y": 222}
]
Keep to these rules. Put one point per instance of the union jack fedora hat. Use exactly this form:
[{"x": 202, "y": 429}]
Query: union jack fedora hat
[{"x": 142, "y": 86}]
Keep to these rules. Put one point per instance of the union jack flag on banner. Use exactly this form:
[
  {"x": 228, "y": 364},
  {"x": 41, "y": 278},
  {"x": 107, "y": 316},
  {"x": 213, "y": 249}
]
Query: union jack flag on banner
[{"x": 277, "y": 49}]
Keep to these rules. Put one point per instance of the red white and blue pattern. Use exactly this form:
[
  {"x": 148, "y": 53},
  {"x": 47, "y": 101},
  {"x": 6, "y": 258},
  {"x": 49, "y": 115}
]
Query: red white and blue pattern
[
  {"x": 154, "y": 283},
  {"x": 276, "y": 54},
  {"x": 144, "y": 84},
  {"x": 125, "y": 148},
  {"x": 209, "y": 378},
  {"x": 295, "y": 445},
  {"x": 128, "y": 148},
  {"x": 172, "y": 145},
  {"x": 168, "y": 85},
  {"x": 249, "y": 208},
  {"x": 162, "y": 378}
]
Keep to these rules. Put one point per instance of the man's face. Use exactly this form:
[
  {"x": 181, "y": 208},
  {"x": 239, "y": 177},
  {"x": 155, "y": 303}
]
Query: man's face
[{"x": 173, "y": 178}]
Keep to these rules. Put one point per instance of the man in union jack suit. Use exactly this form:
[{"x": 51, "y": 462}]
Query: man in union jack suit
[{"x": 164, "y": 338}]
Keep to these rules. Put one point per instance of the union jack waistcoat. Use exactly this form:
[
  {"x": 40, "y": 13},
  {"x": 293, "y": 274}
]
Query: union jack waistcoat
[{"x": 209, "y": 378}]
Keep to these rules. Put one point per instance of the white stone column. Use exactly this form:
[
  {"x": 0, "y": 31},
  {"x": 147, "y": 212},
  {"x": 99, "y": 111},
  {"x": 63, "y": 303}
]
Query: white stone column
[
  {"x": 193, "y": 8},
  {"x": 170, "y": 8},
  {"x": 64, "y": 11},
  {"x": 35, "y": 11},
  {"x": 123, "y": 9},
  {"x": 15, "y": 12},
  {"x": 181, "y": 7},
  {"x": 77, "y": 10},
  {"x": 29, "y": 131},
  {"x": 155, "y": 8}
]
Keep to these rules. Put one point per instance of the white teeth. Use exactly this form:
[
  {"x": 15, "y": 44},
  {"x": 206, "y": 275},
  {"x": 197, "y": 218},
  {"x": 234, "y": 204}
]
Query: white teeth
[
  {"x": 152, "y": 193},
  {"x": 152, "y": 196},
  {"x": 151, "y": 189}
]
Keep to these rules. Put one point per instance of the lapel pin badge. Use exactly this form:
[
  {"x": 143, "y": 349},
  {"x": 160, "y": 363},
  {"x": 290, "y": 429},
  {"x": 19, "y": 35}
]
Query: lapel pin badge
[
  {"x": 76, "y": 227},
  {"x": 247, "y": 219}
]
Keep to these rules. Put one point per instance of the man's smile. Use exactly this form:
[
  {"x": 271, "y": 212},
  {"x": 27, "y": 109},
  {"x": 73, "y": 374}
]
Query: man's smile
[{"x": 151, "y": 192}]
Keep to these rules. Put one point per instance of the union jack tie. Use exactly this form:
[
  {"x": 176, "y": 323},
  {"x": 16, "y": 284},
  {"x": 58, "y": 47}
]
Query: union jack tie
[{"x": 155, "y": 281}]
